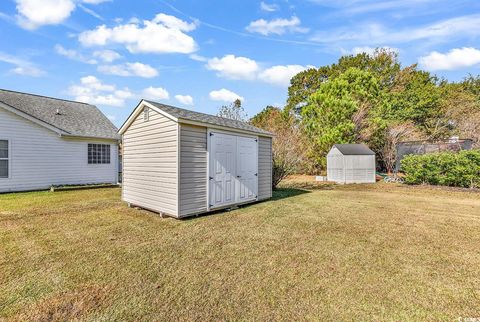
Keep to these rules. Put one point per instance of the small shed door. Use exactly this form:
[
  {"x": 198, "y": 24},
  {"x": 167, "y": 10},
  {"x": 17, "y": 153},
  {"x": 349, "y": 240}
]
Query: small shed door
[
  {"x": 222, "y": 169},
  {"x": 233, "y": 169},
  {"x": 247, "y": 160}
]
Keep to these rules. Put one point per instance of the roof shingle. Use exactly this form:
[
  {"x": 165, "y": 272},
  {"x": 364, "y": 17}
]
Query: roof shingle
[
  {"x": 184, "y": 114},
  {"x": 354, "y": 149},
  {"x": 74, "y": 118}
]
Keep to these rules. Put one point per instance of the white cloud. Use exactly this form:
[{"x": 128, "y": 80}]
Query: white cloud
[
  {"x": 107, "y": 55},
  {"x": 224, "y": 95},
  {"x": 28, "y": 71},
  {"x": 198, "y": 58},
  {"x": 268, "y": 7},
  {"x": 454, "y": 59},
  {"x": 163, "y": 34},
  {"x": 244, "y": 68},
  {"x": 184, "y": 99},
  {"x": 376, "y": 34},
  {"x": 173, "y": 22},
  {"x": 95, "y": 1},
  {"x": 155, "y": 93},
  {"x": 22, "y": 67},
  {"x": 96, "y": 84},
  {"x": 129, "y": 69},
  {"x": 276, "y": 26},
  {"x": 91, "y": 90},
  {"x": 73, "y": 54},
  {"x": 90, "y": 12},
  {"x": 280, "y": 75},
  {"x": 233, "y": 67},
  {"x": 36, "y": 13}
]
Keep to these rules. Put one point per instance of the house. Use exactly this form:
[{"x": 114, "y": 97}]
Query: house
[
  {"x": 351, "y": 163},
  {"x": 181, "y": 163},
  {"x": 46, "y": 141}
]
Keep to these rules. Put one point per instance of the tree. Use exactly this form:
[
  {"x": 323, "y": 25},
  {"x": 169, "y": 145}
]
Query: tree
[
  {"x": 234, "y": 111},
  {"x": 383, "y": 64},
  {"x": 472, "y": 84},
  {"x": 332, "y": 113},
  {"x": 415, "y": 96},
  {"x": 460, "y": 109},
  {"x": 336, "y": 105},
  {"x": 287, "y": 144},
  {"x": 392, "y": 135}
]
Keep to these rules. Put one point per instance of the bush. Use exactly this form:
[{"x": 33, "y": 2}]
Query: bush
[{"x": 460, "y": 169}]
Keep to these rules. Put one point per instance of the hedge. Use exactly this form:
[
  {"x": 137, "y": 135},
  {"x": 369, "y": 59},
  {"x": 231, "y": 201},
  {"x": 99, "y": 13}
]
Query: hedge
[{"x": 457, "y": 169}]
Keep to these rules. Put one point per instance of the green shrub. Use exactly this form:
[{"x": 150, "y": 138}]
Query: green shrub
[{"x": 460, "y": 169}]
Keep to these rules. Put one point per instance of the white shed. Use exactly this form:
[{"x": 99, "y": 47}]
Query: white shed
[
  {"x": 181, "y": 163},
  {"x": 351, "y": 163}
]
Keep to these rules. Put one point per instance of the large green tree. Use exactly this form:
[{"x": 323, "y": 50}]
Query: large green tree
[
  {"x": 383, "y": 64},
  {"x": 336, "y": 112}
]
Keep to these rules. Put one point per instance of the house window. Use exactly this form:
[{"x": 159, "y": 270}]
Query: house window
[
  {"x": 98, "y": 153},
  {"x": 146, "y": 114},
  {"x": 4, "y": 159}
]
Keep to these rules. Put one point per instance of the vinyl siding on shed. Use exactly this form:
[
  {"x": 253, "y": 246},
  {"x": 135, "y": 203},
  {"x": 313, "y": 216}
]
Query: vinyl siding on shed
[
  {"x": 193, "y": 169},
  {"x": 264, "y": 168},
  {"x": 40, "y": 158},
  {"x": 335, "y": 166},
  {"x": 350, "y": 168},
  {"x": 359, "y": 168},
  {"x": 150, "y": 177}
]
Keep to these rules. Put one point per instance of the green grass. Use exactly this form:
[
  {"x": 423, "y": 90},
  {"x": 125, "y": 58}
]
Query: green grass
[{"x": 360, "y": 252}]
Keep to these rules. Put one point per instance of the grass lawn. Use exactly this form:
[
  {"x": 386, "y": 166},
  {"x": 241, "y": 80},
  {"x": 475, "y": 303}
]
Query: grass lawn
[{"x": 358, "y": 252}]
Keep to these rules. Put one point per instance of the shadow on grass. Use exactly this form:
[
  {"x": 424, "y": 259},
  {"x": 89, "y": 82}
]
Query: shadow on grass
[
  {"x": 278, "y": 194},
  {"x": 282, "y": 193}
]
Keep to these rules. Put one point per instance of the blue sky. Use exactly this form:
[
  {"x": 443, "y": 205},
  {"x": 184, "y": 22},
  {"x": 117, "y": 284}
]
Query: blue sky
[{"x": 202, "y": 54}]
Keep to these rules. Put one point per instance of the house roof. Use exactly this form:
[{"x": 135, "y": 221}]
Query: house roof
[
  {"x": 354, "y": 149},
  {"x": 69, "y": 117},
  {"x": 183, "y": 114}
]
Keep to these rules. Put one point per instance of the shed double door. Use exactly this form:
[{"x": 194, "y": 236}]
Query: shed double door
[{"x": 233, "y": 169}]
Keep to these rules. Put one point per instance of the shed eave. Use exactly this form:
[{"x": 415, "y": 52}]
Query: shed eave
[{"x": 224, "y": 128}]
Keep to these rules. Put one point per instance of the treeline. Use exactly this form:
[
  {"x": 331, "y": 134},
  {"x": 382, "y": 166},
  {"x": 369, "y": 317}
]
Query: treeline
[{"x": 367, "y": 99}]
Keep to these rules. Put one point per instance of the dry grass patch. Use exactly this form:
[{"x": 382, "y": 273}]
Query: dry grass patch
[{"x": 360, "y": 252}]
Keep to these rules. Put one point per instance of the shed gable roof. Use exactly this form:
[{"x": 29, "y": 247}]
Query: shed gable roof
[
  {"x": 183, "y": 114},
  {"x": 354, "y": 149},
  {"x": 73, "y": 118}
]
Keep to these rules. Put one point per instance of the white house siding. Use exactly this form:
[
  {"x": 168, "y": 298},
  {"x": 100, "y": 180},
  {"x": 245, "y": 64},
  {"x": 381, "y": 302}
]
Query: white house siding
[
  {"x": 40, "y": 158},
  {"x": 264, "y": 168},
  {"x": 335, "y": 166},
  {"x": 150, "y": 163},
  {"x": 193, "y": 169}
]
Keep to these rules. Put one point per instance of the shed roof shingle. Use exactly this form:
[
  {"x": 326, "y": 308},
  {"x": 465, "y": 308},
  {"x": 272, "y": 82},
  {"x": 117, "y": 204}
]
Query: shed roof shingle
[
  {"x": 354, "y": 149},
  {"x": 184, "y": 114},
  {"x": 74, "y": 118}
]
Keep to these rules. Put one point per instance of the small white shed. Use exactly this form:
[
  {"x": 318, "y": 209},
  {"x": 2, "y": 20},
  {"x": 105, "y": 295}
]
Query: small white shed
[
  {"x": 351, "y": 163},
  {"x": 182, "y": 163}
]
